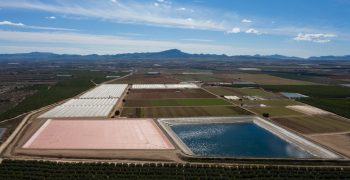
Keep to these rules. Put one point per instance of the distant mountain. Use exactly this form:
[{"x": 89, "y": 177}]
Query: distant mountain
[
  {"x": 168, "y": 54},
  {"x": 277, "y": 56},
  {"x": 171, "y": 53},
  {"x": 347, "y": 57}
]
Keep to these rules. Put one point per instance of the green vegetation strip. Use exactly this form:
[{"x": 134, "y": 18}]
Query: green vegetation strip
[
  {"x": 320, "y": 91},
  {"x": 46, "y": 95},
  {"x": 16, "y": 169}
]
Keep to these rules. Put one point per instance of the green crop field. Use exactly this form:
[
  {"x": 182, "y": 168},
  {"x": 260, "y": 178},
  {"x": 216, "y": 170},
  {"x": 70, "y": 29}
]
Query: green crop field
[
  {"x": 315, "y": 124},
  {"x": 224, "y": 91},
  {"x": 330, "y": 98},
  {"x": 255, "y": 92},
  {"x": 230, "y": 91},
  {"x": 176, "y": 102},
  {"x": 274, "y": 102},
  {"x": 321, "y": 91},
  {"x": 157, "y": 112},
  {"x": 335, "y": 105},
  {"x": 276, "y": 107}
]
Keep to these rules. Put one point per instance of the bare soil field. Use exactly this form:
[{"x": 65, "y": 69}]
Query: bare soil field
[
  {"x": 314, "y": 124},
  {"x": 146, "y": 79},
  {"x": 157, "y": 112},
  {"x": 338, "y": 142},
  {"x": 309, "y": 110},
  {"x": 167, "y": 94},
  {"x": 176, "y": 102}
]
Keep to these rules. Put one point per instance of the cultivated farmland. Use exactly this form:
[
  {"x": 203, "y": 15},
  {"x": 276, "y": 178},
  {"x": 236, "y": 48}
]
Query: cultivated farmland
[
  {"x": 162, "y": 112},
  {"x": 136, "y": 94},
  {"x": 314, "y": 124},
  {"x": 224, "y": 91},
  {"x": 176, "y": 102}
]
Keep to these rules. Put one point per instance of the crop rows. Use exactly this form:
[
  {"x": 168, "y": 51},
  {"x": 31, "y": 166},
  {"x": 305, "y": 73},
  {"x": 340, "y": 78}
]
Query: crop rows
[{"x": 15, "y": 169}]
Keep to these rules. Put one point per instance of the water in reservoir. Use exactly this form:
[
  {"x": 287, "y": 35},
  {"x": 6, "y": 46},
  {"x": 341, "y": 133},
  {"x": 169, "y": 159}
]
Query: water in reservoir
[{"x": 236, "y": 140}]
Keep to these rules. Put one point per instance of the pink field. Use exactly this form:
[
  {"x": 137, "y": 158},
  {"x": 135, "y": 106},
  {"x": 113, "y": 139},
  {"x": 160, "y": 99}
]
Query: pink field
[{"x": 99, "y": 134}]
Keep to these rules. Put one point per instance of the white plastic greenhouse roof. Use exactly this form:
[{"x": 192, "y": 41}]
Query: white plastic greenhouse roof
[
  {"x": 78, "y": 111},
  {"x": 91, "y": 102},
  {"x": 106, "y": 91},
  {"x": 164, "y": 86},
  {"x": 82, "y": 108}
]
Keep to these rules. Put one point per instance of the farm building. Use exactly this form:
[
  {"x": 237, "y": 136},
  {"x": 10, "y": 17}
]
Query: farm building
[
  {"x": 243, "y": 83},
  {"x": 153, "y": 73},
  {"x": 293, "y": 95}
]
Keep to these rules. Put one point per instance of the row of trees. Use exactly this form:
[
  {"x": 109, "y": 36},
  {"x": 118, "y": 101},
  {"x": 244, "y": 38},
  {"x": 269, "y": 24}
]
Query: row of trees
[{"x": 16, "y": 169}]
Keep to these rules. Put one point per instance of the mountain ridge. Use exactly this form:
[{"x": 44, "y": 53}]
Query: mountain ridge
[{"x": 167, "y": 54}]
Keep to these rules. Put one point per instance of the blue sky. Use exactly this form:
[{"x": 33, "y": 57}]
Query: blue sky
[{"x": 233, "y": 27}]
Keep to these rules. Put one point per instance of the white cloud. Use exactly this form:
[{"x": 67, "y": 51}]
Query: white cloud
[
  {"x": 136, "y": 12},
  {"x": 80, "y": 43},
  {"x": 246, "y": 21},
  {"x": 252, "y": 31},
  {"x": 318, "y": 38},
  {"x": 51, "y": 17},
  {"x": 234, "y": 30},
  {"x": 9, "y": 23},
  {"x": 21, "y": 25},
  {"x": 165, "y": 14}
]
